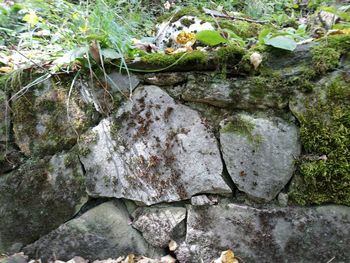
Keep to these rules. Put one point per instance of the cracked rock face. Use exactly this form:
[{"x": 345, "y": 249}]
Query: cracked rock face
[
  {"x": 154, "y": 150},
  {"x": 259, "y": 154},
  {"x": 159, "y": 224},
  {"x": 269, "y": 235},
  {"x": 102, "y": 232},
  {"x": 37, "y": 198}
]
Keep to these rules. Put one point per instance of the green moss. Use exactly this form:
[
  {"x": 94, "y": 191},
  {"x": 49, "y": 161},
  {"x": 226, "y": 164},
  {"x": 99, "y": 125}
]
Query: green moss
[
  {"x": 242, "y": 127},
  {"x": 325, "y": 59},
  {"x": 241, "y": 28},
  {"x": 163, "y": 60},
  {"x": 229, "y": 54},
  {"x": 325, "y": 130},
  {"x": 187, "y": 22}
]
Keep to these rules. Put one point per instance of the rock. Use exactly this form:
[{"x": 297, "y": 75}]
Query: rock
[
  {"x": 259, "y": 154},
  {"x": 158, "y": 223},
  {"x": 122, "y": 83},
  {"x": 38, "y": 197},
  {"x": 10, "y": 157},
  {"x": 152, "y": 151},
  {"x": 208, "y": 88},
  {"x": 100, "y": 233},
  {"x": 165, "y": 79},
  {"x": 282, "y": 199},
  {"x": 315, "y": 234},
  {"x": 4, "y": 118},
  {"x": 259, "y": 92},
  {"x": 15, "y": 258},
  {"x": 40, "y": 122},
  {"x": 168, "y": 30},
  {"x": 204, "y": 200}
]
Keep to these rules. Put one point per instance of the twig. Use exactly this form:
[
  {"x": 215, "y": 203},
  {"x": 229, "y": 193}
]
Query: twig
[
  {"x": 329, "y": 261},
  {"x": 218, "y": 14}
]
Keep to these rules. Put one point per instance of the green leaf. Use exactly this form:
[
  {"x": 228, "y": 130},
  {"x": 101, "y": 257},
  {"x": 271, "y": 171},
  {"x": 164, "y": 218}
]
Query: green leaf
[
  {"x": 71, "y": 55},
  {"x": 210, "y": 37},
  {"x": 263, "y": 34},
  {"x": 282, "y": 42},
  {"x": 110, "y": 53}
]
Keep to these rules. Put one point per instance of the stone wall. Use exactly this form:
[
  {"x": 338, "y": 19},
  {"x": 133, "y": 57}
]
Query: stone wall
[{"x": 257, "y": 163}]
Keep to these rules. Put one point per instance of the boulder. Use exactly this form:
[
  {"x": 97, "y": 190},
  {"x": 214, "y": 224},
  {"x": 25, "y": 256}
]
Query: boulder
[
  {"x": 103, "y": 232},
  {"x": 294, "y": 234},
  {"x": 38, "y": 197},
  {"x": 158, "y": 224},
  {"x": 154, "y": 150},
  {"x": 259, "y": 153}
]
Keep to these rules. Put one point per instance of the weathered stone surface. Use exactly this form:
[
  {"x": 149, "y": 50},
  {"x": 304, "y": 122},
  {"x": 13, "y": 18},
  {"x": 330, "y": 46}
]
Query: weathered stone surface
[
  {"x": 102, "y": 232},
  {"x": 157, "y": 224},
  {"x": 204, "y": 200},
  {"x": 10, "y": 157},
  {"x": 154, "y": 150},
  {"x": 315, "y": 234},
  {"x": 259, "y": 92},
  {"x": 259, "y": 154},
  {"x": 40, "y": 122},
  {"x": 205, "y": 88},
  {"x": 122, "y": 82},
  {"x": 3, "y": 117},
  {"x": 37, "y": 198},
  {"x": 165, "y": 79}
]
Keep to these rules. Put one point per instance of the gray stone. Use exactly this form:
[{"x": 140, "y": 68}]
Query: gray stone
[
  {"x": 38, "y": 197},
  {"x": 165, "y": 79},
  {"x": 122, "y": 82},
  {"x": 208, "y": 88},
  {"x": 259, "y": 154},
  {"x": 282, "y": 199},
  {"x": 315, "y": 234},
  {"x": 204, "y": 200},
  {"x": 103, "y": 232},
  {"x": 158, "y": 223},
  {"x": 153, "y": 150}
]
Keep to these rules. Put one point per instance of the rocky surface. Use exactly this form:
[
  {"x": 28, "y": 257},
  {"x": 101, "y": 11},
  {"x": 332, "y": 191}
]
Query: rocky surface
[
  {"x": 293, "y": 234},
  {"x": 102, "y": 232},
  {"x": 153, "y": 150},
  {"x": 159, "y": 225},
  {"x": 259, "y": 153},
  {"x": 37, "y": 198}
]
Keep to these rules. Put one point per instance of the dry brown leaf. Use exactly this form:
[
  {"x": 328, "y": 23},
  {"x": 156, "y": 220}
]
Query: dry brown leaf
[{"x": 5, "y": 69}]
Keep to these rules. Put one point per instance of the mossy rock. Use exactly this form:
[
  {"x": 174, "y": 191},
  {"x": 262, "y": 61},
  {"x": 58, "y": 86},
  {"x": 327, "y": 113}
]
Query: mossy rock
[
  {"x": 40, "y": 121},
  {"x": 37, "y": 198},
  {"x": 323, "y": 175},
  {"x": 195, "y": 60}
]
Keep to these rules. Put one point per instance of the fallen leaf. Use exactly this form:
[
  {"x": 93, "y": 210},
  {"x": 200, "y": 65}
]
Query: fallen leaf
[
  {"x": 5, "y": 69},
  {"x": 172, "y": 245}
]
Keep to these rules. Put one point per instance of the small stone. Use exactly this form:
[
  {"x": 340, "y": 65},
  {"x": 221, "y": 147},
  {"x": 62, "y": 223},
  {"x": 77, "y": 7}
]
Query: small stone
[
  {"x": 172, "y": 245},
  {"x": 282, "y": 199}
]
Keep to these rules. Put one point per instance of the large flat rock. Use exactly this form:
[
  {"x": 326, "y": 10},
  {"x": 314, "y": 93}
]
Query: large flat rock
[
  {"x": 38, "y": 197},
  {"x": 154, "y": 150},
  {"x": 259, "y": 153},
  {"x": 307, "y": 235},
  {"x": 102, "y": 232}
]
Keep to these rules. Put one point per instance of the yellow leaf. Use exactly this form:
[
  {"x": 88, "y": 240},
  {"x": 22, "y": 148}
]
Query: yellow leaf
[
  {"x": 84, "y": 28},
  {"x": 32, "y": 18}
]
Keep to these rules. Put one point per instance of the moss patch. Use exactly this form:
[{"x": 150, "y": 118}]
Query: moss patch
[
  {"x": 243, "y": 29},
  {"x": 163, "y": 60},
  {"x": 242, "y": 127},
  {"x": 325, "y": 130}
]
